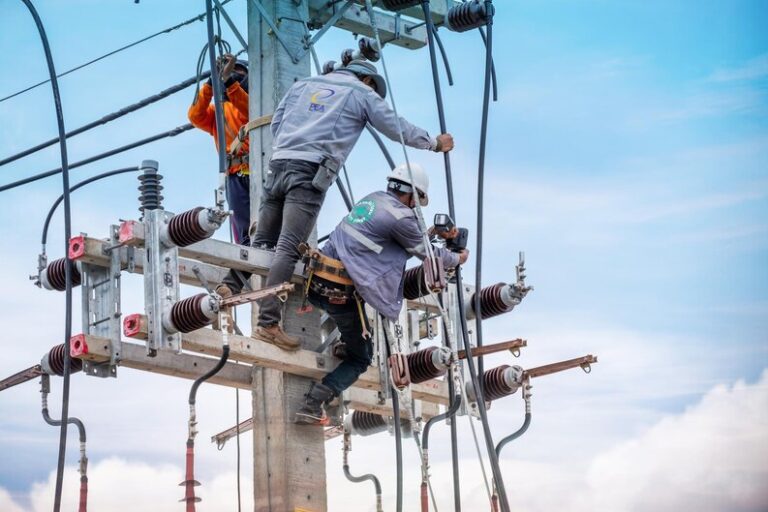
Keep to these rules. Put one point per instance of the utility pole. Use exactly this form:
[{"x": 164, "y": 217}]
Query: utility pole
[{"x": 289, "y": 459}]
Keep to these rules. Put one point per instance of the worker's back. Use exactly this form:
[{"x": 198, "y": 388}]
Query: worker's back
[
  {"x": 321, "y": 117},
  {"x": 374, "y": 242}
]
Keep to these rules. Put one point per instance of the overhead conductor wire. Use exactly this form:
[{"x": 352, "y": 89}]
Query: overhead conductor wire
[
  {"x": 113, "y": 52},
  {"x": 170, "y": 133},
  {"x": 68, "y": 261}
]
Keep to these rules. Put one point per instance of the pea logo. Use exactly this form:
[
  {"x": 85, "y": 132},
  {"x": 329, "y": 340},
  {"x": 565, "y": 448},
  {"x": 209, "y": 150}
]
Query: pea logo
[
  {"x": 315, "y": 101},
  {"x": 362, "y": 212}
]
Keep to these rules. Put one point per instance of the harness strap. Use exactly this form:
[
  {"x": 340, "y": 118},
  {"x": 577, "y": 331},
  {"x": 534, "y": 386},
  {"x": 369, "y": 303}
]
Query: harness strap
[{"x": 247, "y": 128}]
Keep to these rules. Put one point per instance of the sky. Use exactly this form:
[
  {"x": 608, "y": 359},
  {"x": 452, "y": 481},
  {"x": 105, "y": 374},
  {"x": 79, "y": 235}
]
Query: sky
[{"x": 627, "y": 156}]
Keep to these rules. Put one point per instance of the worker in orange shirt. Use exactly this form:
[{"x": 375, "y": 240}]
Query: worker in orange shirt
[{"x": 202, "y": 115}]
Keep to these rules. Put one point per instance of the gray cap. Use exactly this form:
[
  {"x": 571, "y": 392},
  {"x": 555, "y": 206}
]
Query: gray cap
[{"x": 364, "y": 68}]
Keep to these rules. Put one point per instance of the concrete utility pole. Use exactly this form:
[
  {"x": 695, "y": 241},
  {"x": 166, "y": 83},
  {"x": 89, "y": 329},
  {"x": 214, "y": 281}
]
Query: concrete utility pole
[{"x": 289, "y": 459}]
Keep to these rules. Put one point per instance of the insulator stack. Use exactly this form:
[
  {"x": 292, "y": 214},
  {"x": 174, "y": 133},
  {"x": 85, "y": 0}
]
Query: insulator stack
[
  {"x": 150, "y": 187},
  {"x": 425, "y": 364},
  {"x": 495, "y": 300},
  {"x": 329, "y": 66},
  {"x": 499, "y": 382},
  {"x": 186, "y": 229},
  {"x": 399, "y": 5},
  {"x": 53, "y": 362},
  {"x": 468, "y": 15},
  {"x": 414, "y": 286},
  {"x": 192, "y": 313},
  {"x": 365, "y": 423},
  {"x": 54, "y": 276}
]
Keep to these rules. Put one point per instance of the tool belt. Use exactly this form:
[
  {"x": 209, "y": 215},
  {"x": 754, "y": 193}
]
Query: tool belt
[
  {"x": 318, "y": 264},
  {"x": 335, "y": 293}
]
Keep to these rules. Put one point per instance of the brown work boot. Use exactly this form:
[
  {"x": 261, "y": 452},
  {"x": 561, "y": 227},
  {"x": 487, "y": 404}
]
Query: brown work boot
[{"x": 275, "y": 335}]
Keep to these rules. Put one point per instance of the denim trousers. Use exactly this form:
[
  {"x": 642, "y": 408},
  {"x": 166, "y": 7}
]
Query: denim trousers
[
  {"x": 358, "y": 349},
  {"x": 239, "y": 200}
]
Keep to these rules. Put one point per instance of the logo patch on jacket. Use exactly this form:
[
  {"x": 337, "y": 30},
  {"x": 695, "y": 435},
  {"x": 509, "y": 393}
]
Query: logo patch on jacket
[
  {"x": 315, "y": 104},
  {"x": 362, "y": 212}
]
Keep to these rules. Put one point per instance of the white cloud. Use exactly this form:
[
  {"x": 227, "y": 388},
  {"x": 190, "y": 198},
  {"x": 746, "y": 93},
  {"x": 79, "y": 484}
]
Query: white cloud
[{"x": 710, "y": 458}]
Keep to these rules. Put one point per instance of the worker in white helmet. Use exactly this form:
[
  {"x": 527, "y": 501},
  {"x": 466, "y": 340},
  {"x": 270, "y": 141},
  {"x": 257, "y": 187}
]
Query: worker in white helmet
[
  {"x": 314, "y": 128},
  {"x": 364, "y": 262}
]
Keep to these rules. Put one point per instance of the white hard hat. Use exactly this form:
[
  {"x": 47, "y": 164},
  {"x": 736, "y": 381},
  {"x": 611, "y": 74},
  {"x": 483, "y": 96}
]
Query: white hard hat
[{"x": 420, "y": 180}]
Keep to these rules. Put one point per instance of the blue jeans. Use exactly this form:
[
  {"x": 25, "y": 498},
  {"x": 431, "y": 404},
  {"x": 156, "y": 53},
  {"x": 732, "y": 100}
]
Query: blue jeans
[{"x": 358, "y": 349}]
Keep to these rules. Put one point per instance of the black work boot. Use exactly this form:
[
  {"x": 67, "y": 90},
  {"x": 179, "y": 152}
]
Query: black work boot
[{"x": 313, "y": 412}]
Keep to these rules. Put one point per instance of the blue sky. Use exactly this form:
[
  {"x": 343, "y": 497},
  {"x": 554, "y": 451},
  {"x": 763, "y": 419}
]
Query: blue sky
[{"x": 627, "y": 155}]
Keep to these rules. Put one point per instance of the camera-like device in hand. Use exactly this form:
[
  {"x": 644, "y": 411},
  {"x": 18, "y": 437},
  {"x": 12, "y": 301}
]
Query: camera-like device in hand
[{"x": 444, "y": 223}]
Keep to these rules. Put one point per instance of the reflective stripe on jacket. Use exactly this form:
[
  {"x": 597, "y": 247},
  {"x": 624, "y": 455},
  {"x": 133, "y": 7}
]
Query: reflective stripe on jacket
[
  {"x": 374, "y": 242},
  {"x": 202, "y": 115},
  {"x": 322, "y": 117}
]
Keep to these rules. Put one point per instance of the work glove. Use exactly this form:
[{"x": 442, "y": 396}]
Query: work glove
[
  {"x": 444, "y": 143},
  {"x": 463, "y": 256}
]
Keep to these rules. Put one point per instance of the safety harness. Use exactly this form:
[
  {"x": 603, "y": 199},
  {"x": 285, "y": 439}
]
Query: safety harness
[
  {"x": 234, "y": 156},
  {"x": 331, "y": 271}
]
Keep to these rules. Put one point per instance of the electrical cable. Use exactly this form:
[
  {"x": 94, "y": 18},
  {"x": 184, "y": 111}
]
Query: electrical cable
[
  {"x": 398, "y": 433},
  {"x": 217, "y": 92},
  {"x": 444, "y": 55},
  {"x": 493, "y": 67},
  {"x": 432, "y": 36},
  {"x": 44, "y": 238},
  {"x": 362, "y": 478},
  {"x": 459, "y": 287},
  {"x": 380, "y": 143},
  {"x": 107, "y": 118},
  {"x": 100, "y": 156},
  {"x": 68, "y": 261},
  {"x": 45, "y": 389},
  {"x": 511, "y": 437},
  {"x": 168, "y": 30}
]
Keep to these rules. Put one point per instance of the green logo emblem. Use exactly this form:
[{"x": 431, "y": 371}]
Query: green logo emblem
[{"x": 362, "y": 212}]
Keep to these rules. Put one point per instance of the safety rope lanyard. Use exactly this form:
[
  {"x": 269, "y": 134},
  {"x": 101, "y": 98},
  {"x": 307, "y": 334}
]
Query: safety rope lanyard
[{"x": 419, "y": 213}]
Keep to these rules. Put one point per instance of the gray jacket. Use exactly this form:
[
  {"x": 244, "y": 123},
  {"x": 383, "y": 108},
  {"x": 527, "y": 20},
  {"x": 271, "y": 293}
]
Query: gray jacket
[
  {"x": 374, "y": 242},
  {"x": 322, "y": 117}
]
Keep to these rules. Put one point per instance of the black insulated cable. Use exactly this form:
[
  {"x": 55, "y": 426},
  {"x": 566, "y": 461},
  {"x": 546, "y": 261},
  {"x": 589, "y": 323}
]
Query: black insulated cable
[
  {"x": 511, "y": 437},
  {"x": 68, "y": 262},
  {"x": 44, "y": 238},
  {"x": 362, "y": 478},
  {"x": 382, "y": 147},
  {"x": 431, "y": 33},
  {"x": 217, "y": 92},
  {"x": 168, "y": 30},
  {"x": 443, "y": 54},
  {"x": 398, "y": 433},
  {"x": 100, "y": 156},
  {"x": 108, "y": 118},
  {"x": 497, "y": 476}
]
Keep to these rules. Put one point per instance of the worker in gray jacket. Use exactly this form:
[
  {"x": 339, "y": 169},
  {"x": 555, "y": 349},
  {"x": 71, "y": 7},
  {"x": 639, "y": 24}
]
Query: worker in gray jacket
[
  {"x": 314, "y": 129},
  {"x": 364, "y": 262}
]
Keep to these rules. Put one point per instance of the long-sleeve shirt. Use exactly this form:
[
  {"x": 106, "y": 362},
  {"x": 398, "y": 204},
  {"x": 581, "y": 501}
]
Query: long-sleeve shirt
[
  {"x": 202, "y": 115},
  {"x": 374, "y": 242},
  {"x": 322, "y": 117}
]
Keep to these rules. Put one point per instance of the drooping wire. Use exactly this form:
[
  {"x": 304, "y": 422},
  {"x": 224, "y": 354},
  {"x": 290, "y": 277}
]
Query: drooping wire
[
  {"x": 68, "y": 261},
  {"x": 44, "y": 238},
  {"x": 168, "y": 30},
  {"x": 107, "y": 118},
  {"x": 100, "y": 156}
]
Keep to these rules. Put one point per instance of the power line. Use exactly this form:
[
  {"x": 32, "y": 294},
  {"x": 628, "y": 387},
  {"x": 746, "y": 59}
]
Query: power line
[
  {"x": 170, "y": 133},
  {"x": 199, "y": 17},
  {"x": 110, "y": 117}
]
